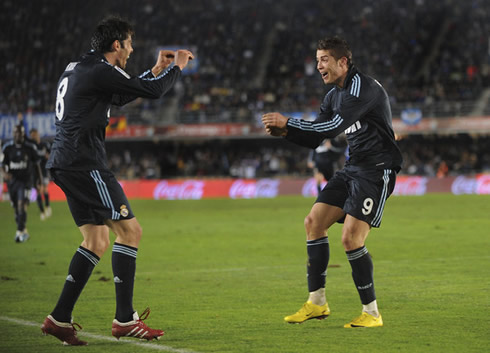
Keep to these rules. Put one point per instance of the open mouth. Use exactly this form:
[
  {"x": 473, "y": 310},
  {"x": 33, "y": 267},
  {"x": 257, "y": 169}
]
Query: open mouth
[{"x": 324, "y": 75}]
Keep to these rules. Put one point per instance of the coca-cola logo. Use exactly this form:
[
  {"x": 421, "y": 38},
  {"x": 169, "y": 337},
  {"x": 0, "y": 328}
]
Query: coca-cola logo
[
  {"x": 267, "y": 188},
  {"x": 411, "y": 186},
  {"x": 186, "y": 190},
  {"x": 242, "y": 189},
  {"x": 463, "y": 185},
  {"x": 483, "y": 184},
  {"x": 248, "y": 189},
  {"x": 310, "y": 189}
]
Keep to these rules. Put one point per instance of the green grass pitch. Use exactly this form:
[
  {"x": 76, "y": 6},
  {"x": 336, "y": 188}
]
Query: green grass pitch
[{"x": 220, "y": 275}]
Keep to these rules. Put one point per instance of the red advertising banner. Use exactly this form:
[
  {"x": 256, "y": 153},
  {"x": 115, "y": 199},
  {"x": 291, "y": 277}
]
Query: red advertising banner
[
  {"x": 130, "y": 131},
  {"x": 206, "y": 130},
  {"x": 196, "y": 189},
  {"x": 416, "y": 185},
  {"x": 476, "y": 124},
  {"x": 119, "y": 128}
]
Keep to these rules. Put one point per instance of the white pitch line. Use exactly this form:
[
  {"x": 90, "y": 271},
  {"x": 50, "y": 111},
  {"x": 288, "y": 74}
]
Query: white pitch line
[{"x": 153, "y": 346}]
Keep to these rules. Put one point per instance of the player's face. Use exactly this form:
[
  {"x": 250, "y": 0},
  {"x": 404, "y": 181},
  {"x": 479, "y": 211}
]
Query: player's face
[
  {"x": 18, "y": 135},
  {"x": 124, "y": 52},
  {"x": 333, "y": 71},
  {"x": 35, "y": 136}
]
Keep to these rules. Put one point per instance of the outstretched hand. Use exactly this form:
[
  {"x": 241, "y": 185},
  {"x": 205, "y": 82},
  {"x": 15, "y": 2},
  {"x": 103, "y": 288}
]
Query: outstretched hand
[
  {"x": 275, "y": 124},
  {"x": 182, "y": 57},
  {"x": 166, "y": 57}
]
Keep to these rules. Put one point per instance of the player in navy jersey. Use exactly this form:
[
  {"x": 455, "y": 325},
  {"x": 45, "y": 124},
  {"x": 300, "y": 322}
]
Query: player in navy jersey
[
  {"x": 356, "y": 195},
  {"x": 41, "y": 185},
  {"x": 78, "y": 165},
  {"x": 20, "y": 160}
]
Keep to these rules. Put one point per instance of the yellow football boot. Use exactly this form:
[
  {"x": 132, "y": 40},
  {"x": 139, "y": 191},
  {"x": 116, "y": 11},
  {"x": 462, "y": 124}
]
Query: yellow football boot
[
  {"x": 307, "y": 312},
  {"x": 365, "y": 320}
]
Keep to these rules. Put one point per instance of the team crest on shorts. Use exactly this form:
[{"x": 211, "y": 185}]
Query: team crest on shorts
[{"x": 124, "y": 211}]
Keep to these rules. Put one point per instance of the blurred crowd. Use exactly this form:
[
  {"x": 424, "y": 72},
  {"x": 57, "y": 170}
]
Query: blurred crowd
[
  {"x": 433, "y": 155},
  {"x": 427, "y": 155},
  {"x": 217, "y": 158},
  {"x": 253, "y": 55}
]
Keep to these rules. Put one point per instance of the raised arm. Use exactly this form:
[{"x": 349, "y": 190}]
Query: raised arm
[{"x": 151, "y": 84}]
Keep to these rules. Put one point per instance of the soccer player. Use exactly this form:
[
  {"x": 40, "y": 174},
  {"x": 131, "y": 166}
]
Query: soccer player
[
  {"x": 20, "y": 160},
  {"x": 356, "y": 195},
  {"x": 41, "y": 185},
  {"x": 325, "y": 160},
  {"x": 78, "y": 165}
]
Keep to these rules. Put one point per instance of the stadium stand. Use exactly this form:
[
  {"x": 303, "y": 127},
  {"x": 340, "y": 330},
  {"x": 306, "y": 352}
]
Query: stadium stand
[{"x": 256, "y": 56}]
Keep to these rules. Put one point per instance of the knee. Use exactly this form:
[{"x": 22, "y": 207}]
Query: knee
[
  {"x": 103, "y": 245},
  {"x": 347, "y": 243},
  {"x": 349, "y": 240},
  {"x": 137, "y": 232},
  {"x": 131, "y": 235},
  {"x": 98, "y": 246},
  {"x": 309, "y": 221},
  {"x": 313, "y": 228}
]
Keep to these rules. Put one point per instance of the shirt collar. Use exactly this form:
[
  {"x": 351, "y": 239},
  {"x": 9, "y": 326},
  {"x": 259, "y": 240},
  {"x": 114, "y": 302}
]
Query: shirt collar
[{"x": 350, "y": 74}]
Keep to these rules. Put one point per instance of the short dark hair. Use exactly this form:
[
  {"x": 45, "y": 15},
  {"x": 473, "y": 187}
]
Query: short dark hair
[
  {"x": 107, "y": 31},
  {"x": 337, "y": 46}
]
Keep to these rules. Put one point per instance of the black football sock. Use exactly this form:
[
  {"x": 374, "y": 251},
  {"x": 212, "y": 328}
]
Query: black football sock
[
  {"x": 46, "y": 199},
  {"x": 81, "y": 266},
  {"x": 17, "y": 220},
  {"x": 124, "y": 269},
  {"x": 22, "y": 220},
  {"x": 318, "y": 256},
  {"x": 39, "y": 201},
  {"x": 362, "y": 273}
]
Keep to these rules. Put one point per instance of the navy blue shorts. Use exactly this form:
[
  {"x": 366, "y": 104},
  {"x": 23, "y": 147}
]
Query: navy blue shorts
[
  {"x": 18, "y": 191},
  {"x": 93, "y": 196},
  {"x": 360, "y": 193}
]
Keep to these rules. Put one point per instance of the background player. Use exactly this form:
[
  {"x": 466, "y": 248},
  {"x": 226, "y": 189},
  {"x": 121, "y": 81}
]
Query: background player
[
  {"x": 359, "y": 106},
  {"x": 20, "y": 160},
  {"x": 78, "y": 165},
  {"x": 41, "y": 185},
  {"x": 326, "y": 159}
]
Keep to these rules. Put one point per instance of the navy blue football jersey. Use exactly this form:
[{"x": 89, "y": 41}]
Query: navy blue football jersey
[
  {"x": 362, "y": 111},
  {"x": 19, "y": 160},
  {"x": 43, "y": 149},
  {"x": 86, "y": 90}
]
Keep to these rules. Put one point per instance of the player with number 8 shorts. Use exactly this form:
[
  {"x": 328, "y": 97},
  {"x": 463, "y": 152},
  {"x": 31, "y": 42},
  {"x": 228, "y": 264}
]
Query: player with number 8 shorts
[{"x": 78, "y": 165}]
